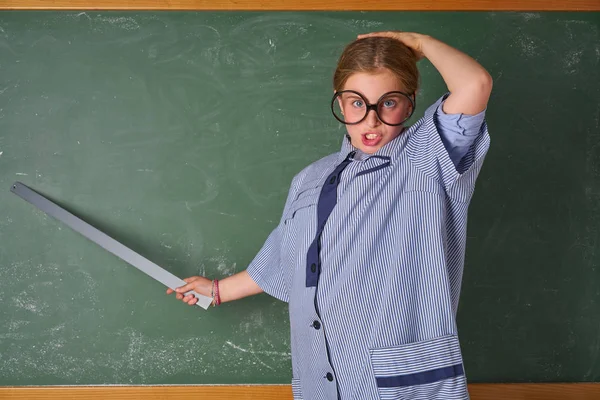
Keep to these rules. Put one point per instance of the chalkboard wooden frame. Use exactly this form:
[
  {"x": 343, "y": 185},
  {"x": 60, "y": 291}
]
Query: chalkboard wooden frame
[
  {"x": 308, "y": 5},
  {"x": 532, "y": 391},
  {"x": 478, "y": 391}
]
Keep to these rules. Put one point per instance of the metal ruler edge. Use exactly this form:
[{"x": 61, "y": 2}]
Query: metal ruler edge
[{"x": 103, "y": 240}]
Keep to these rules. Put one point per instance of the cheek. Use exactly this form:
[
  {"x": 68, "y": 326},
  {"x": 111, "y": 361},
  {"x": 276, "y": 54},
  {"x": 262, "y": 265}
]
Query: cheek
[
  {"x": 391, "y": 132},
  {"x": 354, "y": 130},
  {"x": 388, "y": 131}
]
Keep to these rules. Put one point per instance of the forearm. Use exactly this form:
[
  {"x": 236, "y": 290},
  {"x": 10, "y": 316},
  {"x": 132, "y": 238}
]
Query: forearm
[
  {"x": 469, "y": 83},
  {"x": 237, "y": 286}
]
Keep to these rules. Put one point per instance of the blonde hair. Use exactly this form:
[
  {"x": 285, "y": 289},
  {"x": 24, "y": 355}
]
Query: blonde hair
[{"x": 374, "y": 53}]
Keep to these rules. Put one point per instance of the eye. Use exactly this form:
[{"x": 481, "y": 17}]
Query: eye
[
  {"x": 389, "y": 103},
  {"x": 358, "y": 103}
]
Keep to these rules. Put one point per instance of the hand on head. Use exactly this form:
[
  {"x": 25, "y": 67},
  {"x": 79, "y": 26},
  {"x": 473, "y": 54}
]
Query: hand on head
[{"x": 410, "y": 39}]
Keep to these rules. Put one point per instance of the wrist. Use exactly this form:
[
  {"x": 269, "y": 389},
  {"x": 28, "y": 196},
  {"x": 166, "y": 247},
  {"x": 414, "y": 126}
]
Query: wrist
[
  {"x": 215, "y": 293},
  {"x": 426, "y": 43},
  {"x": 205, "y": 288}
]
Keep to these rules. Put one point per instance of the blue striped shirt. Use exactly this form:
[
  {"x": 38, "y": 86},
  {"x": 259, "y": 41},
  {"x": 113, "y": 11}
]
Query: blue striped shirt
[{"x": 369, "y": 254}]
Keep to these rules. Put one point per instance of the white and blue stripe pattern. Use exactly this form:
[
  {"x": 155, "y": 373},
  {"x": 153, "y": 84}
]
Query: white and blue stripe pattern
[{"x": 380, "y": 322}]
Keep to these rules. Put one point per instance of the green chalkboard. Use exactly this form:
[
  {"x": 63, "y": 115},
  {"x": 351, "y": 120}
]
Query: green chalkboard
[{"x": 178, "y": 134}]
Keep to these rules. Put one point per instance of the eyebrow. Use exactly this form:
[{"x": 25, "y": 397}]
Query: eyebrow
[
  {"x": 364, "y": 97},
  {"x": 353, "y": 95}
]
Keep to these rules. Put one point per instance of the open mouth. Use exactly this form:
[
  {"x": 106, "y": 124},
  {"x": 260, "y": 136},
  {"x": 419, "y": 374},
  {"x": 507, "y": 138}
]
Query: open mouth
[{"x": 371, "y": 139}]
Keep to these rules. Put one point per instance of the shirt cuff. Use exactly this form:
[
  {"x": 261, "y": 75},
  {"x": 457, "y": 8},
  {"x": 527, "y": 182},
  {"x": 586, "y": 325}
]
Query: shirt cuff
[{"x": 463, "y": 124}]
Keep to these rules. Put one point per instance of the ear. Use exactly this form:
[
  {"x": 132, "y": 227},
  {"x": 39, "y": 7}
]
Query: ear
[
  {"x": 339, "y": 100},
  {"x": 414, "y": 99}
]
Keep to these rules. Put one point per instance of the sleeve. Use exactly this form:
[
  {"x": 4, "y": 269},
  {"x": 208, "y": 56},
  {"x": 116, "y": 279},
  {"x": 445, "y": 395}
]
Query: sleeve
[
  {"x": 266, "y": 269},
  {"x": 457, "y": 131},
  {"x": 429, "y": 153}
]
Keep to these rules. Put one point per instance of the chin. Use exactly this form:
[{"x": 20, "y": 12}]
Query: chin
[{"x": 369, "y": 150}]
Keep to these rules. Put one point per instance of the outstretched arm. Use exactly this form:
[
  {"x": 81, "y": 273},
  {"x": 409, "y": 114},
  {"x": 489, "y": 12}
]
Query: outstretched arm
[{"x": 231, "y": 288}]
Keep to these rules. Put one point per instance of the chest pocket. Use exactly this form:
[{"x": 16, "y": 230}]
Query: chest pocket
[
  {"x": 305, "y": 202},
  {"x": 299, "y": 226},
  {"x": 301, "y": 207}
]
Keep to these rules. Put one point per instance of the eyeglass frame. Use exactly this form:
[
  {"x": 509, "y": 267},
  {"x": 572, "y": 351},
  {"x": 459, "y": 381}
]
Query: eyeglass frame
[{"x": 369, "y": 107}]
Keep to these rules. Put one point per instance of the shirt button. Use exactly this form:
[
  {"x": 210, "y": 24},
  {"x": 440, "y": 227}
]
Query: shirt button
[
  {"x": 329, "y": 377},
  {"x": 316, "y": 325},
  {"x": 313, "y": 267},
  {"x": 332, "y": 180}
]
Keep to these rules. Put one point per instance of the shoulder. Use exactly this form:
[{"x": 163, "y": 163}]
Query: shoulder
[
  {"x": 426, "y": 125},
  {"x": 315, "y": 170}
]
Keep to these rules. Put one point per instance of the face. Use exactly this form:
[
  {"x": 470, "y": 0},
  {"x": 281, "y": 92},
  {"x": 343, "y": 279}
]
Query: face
[{"x": 372, "y": 134}]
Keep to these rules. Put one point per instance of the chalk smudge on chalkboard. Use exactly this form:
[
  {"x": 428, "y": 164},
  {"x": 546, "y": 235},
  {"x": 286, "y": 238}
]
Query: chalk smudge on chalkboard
[
  {"x": 529, "y": 16},
  {"x": 139, "y": 355},
  {"x": 527, "y": 45},
  {"x": 30, "y": 304},
  {"x": 126, "y": 23},
  {"x": 15, "y": 325},
  {"x": 264, "y": 352},
  {"x": 84, "y": 14},
  {"x": 164, "y": 357},
  {"x": 365, "y": 24},
  {"x": 224, "y": 265},
  {"x": 252, "y": 352},
  {"x": 571, "y": 59},
  {"x": 90, "y": 286},
  {"x": 14, "y": 332}
]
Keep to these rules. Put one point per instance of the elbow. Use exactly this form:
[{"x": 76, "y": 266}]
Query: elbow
[
  {"x": 473, "y": 96},
  {"x": 485, "y": 83},
  {"x": 480, "y": 91},
  {"x": 477, "y": 86}
]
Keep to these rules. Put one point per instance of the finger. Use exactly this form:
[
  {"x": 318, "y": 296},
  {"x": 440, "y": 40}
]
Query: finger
[
  {"x": 169, "y": 291},
  {"x": 187, "y": 298},
  {"x": 374, "y": 34},
  {"x": 179, "y": 296},
  {"x": 191, "y": 279},
  {"x": 185, "y": 288},
  {"x": 192, "y": 301},
  {"x": 364, "y": 35}
]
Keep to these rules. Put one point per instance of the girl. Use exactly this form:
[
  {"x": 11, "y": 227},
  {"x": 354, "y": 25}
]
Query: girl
[{"x": 370, "y": 249}]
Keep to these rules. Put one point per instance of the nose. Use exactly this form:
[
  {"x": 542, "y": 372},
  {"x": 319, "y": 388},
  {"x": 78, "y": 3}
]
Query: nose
[{"x": 372, "y": 119}]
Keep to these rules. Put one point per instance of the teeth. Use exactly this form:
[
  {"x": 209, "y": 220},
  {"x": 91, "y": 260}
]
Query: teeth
[{"x": 371, "y": 136}]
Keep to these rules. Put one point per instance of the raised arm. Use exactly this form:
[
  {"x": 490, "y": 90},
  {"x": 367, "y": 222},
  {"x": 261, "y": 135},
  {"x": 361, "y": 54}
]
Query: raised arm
[{"x": 468, "y": 82}]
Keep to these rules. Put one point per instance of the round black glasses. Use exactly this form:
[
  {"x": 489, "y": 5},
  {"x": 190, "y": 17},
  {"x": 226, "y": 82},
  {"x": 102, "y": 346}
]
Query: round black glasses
[{"x": 350, "y": 107}]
